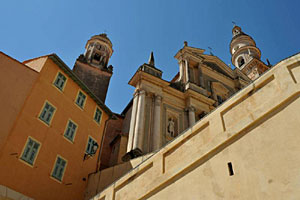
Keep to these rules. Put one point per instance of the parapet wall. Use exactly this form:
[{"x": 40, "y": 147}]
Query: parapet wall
[{"x": 248, "y": 148}]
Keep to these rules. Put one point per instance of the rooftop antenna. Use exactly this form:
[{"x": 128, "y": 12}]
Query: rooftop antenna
[{"x": 210, "y": 51}]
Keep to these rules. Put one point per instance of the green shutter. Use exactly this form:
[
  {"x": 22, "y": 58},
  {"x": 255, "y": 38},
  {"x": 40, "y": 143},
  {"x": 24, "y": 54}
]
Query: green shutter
[{"x": 30, "y": 151}]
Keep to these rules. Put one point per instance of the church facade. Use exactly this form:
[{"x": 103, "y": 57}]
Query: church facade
[
  {"x": 160, "y": 110},
  {"x": 245, "y": 148}
]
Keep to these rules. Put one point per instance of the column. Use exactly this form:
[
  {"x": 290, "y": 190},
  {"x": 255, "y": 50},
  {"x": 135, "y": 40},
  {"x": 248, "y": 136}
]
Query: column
[
  {"x": 139, "y": 127},
  {"x": 192, "y": 119},
  {"x": 181, "y": 70},
  {"x": 132, "y": 121},
  {"x": 157, "y": 122},
  {"x": 186, "y": 71}
]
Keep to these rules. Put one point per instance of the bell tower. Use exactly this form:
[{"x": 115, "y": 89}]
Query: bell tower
[
  {"x": 92, "y": 66},
  {"x": 245, "y": 55}
]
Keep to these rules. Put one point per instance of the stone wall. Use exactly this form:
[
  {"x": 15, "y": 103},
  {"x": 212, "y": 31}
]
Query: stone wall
[
  {"x": 248, "y": 148},
  {"x": 96, "y": 79},
  {"x": 102, "y": 179}
]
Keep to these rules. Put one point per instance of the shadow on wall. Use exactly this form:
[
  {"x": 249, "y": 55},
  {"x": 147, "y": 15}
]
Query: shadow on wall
[{"x": 98, "y": 181}]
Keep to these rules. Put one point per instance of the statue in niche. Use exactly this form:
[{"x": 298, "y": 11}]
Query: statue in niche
[{"x": 171, "y": 127}]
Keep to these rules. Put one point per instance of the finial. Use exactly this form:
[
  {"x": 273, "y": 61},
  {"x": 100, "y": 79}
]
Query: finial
[
  {"x": 151, "y": 59},
  {"x": 185, "y": 43}
]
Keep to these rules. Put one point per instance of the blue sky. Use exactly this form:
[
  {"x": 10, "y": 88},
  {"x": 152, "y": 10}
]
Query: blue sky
[{"x": 34, "y": 28}]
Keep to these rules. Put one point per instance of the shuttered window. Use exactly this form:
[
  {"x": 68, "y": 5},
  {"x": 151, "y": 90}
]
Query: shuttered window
[
  {"x": 80, "y": 99},
  {"x": 60, "y": 81},
  {"x": 98, "y": 115},
  {"x": 70, "y": 130},
  {"x": 47, "y": 113},
  {"x": 59, "y": 168},
  {"x": 90, "y": 145},
  {"x": 30, "y": 151}
]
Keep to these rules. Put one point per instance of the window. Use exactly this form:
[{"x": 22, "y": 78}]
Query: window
[
  {"x": 97, "y": 57},
  {"x": 91, "y": 147},
  {"x": 30, "y": 151},
  {"x": 70, "y": 130},
  {"x": 80, "y": 99},
  {"x": 241, "y": 61},
  {"x": 59, "y": 168},
  {"x": 47, "y": 113},
  {"x": 98, "y": 115},
  {"x": 60, "y": 81}
]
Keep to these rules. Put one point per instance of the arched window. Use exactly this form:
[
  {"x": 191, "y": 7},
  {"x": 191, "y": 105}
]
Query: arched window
[
  {"x": 97, "y": 57},
  {"x": 241, "y": 61}
]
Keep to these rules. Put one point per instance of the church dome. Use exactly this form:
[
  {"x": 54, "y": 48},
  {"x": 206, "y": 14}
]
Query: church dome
[{"x": 103, "y": 37}]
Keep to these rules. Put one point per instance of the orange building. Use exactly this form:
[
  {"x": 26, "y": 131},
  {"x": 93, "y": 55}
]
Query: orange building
[{"x": 51, "y": 130}]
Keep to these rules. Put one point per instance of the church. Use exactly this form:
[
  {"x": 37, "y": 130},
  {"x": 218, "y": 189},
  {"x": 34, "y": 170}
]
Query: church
[
  {"x": 211, "y": 132},
  {"x": 160, "y": 109}
]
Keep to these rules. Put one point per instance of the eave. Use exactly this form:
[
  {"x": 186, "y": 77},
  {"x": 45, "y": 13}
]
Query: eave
[{"x": 71, "y": 74}]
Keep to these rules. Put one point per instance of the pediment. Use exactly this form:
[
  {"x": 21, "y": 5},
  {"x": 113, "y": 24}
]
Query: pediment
[
  {"x": 218, "y": 65},
  {"x": 191, "y": 50}
]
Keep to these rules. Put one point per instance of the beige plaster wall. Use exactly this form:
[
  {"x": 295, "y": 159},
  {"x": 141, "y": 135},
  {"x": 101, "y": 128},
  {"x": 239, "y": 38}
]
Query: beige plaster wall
[
  {"x": 100, "y": 180},
  {"x": 10, "y": 194},
  {"x": 257, "y": 130}
]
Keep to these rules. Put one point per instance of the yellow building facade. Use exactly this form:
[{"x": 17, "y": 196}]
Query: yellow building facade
[{"x": 55, "y": 130}]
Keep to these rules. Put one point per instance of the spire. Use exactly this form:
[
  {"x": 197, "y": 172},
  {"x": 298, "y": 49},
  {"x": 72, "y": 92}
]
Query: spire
[{"x": 151, "y": 59}]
